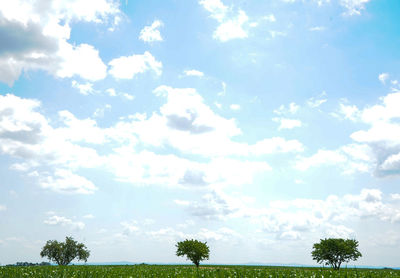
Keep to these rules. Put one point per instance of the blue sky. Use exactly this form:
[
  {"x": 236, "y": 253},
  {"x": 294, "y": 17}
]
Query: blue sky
[{"x": 259, "y": 127}]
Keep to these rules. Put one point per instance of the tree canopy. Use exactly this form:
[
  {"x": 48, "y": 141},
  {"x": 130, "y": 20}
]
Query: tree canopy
[
  {"x": 194, "y": 250},
  {"x": 335, "y": 251},
  {"x": 63, "y": 253}
]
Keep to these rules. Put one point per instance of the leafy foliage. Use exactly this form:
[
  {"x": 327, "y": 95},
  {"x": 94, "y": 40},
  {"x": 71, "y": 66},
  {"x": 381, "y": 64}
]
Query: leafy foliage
[
  {"x": 194, "y": 250},
  {"x": 335, "y": 251},
  {"x": 63, "y": 253}
]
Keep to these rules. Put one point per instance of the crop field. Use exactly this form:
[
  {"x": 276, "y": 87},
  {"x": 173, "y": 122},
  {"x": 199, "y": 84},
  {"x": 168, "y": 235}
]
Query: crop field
[{"x": 156, "y": 271}]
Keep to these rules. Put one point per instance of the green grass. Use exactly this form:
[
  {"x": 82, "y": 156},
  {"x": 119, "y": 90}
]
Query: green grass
[{"x": 157, "y": 271}]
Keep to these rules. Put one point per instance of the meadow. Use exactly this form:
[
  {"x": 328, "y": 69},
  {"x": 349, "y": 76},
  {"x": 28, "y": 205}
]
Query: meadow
[{"x": 156, "y": 271}]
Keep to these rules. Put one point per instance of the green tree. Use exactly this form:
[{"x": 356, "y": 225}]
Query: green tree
[
  {"x": 63, "y": 253},
  {"x": 335, "y": 251},
  {"x": 194, "y": 250}
]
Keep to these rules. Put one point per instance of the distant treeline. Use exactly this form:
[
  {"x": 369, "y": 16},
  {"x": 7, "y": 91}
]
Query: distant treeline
[{"x": 28, "y": 264}]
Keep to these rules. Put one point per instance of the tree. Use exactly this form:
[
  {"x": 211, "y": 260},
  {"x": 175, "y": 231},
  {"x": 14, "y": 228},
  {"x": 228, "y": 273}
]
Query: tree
[
  {"x": 194, "y": 250},
  {"x": 63, "y": 253},
  {"x": 335, "y": 251}
]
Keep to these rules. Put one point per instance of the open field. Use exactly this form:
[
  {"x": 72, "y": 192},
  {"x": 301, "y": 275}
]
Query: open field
[{"x": 187, "y": 271}]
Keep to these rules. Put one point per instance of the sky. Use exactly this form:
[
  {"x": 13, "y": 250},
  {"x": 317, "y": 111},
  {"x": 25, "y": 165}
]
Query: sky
[{"x": 259, "y": 127}]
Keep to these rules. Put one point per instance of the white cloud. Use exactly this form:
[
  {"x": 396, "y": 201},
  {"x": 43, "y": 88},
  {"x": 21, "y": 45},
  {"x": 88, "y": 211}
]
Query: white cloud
[
  {"x": 270, "y": 18},
  {"x": 285, "y": 123},
  {"x": 315, "y": 102},
  {"x": 26, "y": 134},
  {"x": 193, "y": 72},
  {"x": 317, "y": 28},
  {"x": 275, "y": 33},
  {"x": 66, "y": 182},
  {"x": 129, "y": 227},
  {"x": 82, "y": 60},
  {"x": 99, "y": 112},
  {"x": 290, "y": 219},
  {"x": 113, "y": 93},
  {"x": 383, "y": 134},
  {"x": 353, "y": 7},
  {"x": 41, "y": 32},
  {"x": 151, "y": 33},
  {"x": 84, "y": 89},
  {"x": 350, "y": 112},
  {"x": 184, "y": 123},
  {"x": 88, "y": 216},
  {"x": 383, "y": 77},
  {"x": 3, "y": 208},
  {"x": 339, "y": 231},
  {"x": 230, "y": 26},
  {"x": 55, "y": 220},
  {"x": 395, "y": 196},
  {"x": 234, "y": 107},
  {"x": 322, "y": 157},
  {"x": 126, "y": 67},
  {"x": 217, "y": 9},
  {"x": 292, "y": 108}
]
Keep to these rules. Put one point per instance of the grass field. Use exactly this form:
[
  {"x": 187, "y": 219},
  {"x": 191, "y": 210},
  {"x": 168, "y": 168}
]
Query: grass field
[{"x": 156, "y": 271}]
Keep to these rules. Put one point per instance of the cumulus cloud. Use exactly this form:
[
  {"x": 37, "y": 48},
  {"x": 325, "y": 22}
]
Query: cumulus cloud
[
  {"x": 184, "y": 123},
  {"x": 82, "y": 60},
  {"x": 36, "y": 37},
  {"x": 66, "y": 182},
  {"x": 26, "y": 134},
  {"x": 151, "y": 33},
  {"x": 376, "y": 148},
  {"x": 349, "y": 158},
  {"x": 54, "y": 220},
  {"x": 129, "y": 227},
  {"x": 126, "y": 67},
  {"x": 231, "y": 24},
  {"x": 294, "y": 219},
  {"x": 383, "y": 134}
]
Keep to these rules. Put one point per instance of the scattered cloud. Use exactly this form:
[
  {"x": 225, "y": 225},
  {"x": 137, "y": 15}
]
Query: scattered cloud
[
  {"x": 274, "y": 34},
  {"x": 126, "y": 67},
  {"x": 84, "y": 89},
  {"x": 64, "y": 181},
  {"x": 151, "y": 33},
  {"x": 383, "y": 77},
  {"x": 270, "y": 18},
  {"x": 353, "y": 7},
  {"x": 231, "y": 24},
  {"x": 37, "y": 38},
  {"x": 193, "y": 72},
  {"x": 317, "y": 28},
  {"x": 285, "y": 123},
  {"x": 234, "y": 107},
  {"x": 292, "y": 108},
  {"x": 54, "y": 220},
  {"x": 315, "y": 102}
]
